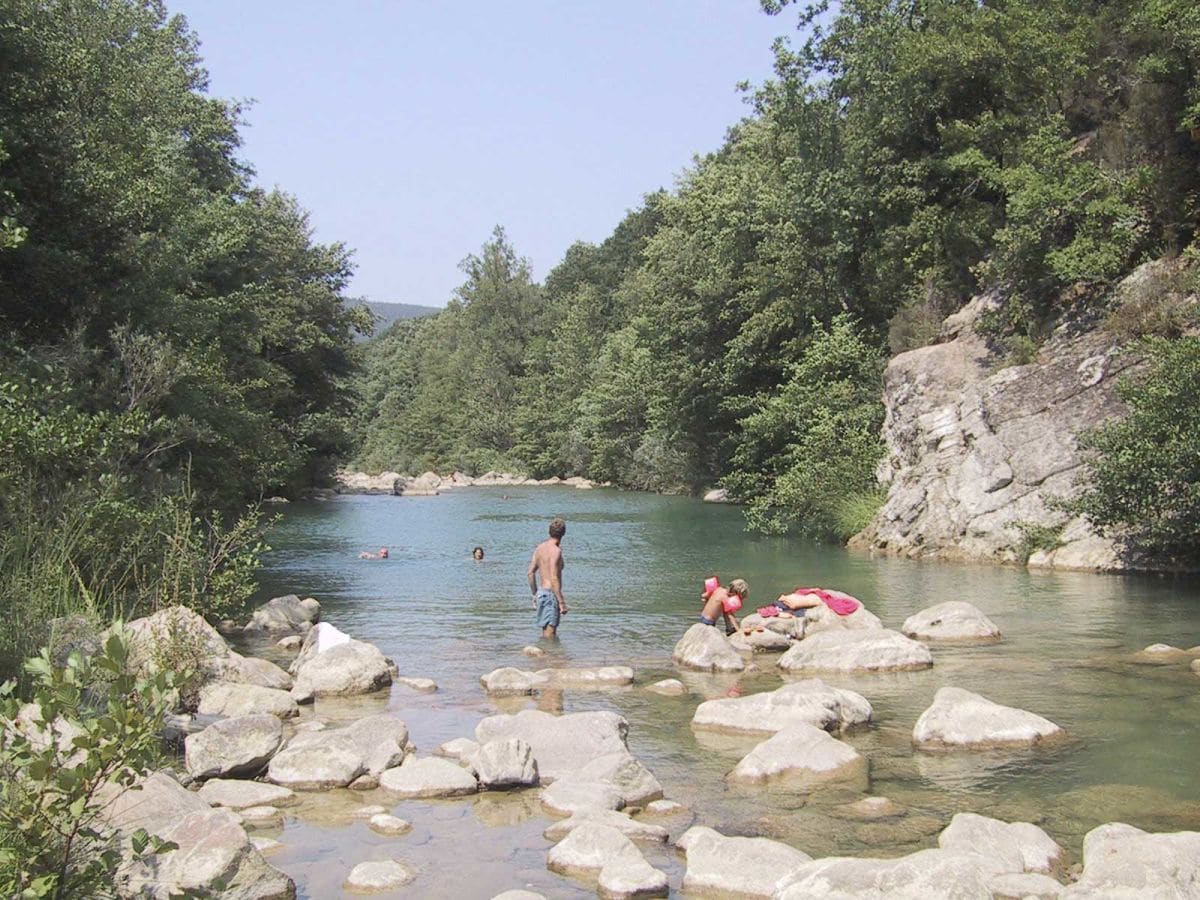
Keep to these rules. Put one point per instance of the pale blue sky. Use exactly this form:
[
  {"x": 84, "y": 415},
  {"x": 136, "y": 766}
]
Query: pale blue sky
[{"x": 410, "y": 128}]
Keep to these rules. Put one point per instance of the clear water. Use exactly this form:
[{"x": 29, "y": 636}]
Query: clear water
[{"x": 634, "y": 566}]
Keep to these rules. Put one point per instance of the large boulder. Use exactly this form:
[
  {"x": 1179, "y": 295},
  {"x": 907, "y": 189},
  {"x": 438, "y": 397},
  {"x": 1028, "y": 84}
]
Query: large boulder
[
  {"x": 961, "y": 719},
  {"x": 620, "y": 868},
  {"x": 561, "y": 744},
  {"x": 1019, "y": 846},
  {"x": 705, "y": 648},
  {"x": 288, "y": 613},
  {"x": 504, "y": 764},
  {"x": 335, "y": 757},
  {"x": 573, "y": 796},
  {"x": 332, "y": 663},
  {"x": 174, "y": 639},
  {"x": 822, "y": 618},
  {"x": 237, "y": 794},
  {"x": 624, "y": 772},
  {"x": 1122, "y": 861},
  {"x": 362, "y": 483},
  {"x": 954, "y": 621},
  {"x": 810, "y": 702},
  {"x": 804, "y": 752},
  {"x": 222, "y": 698},
  {"x": 213, "y": 856},
  {"x": 239, "y": 669},
  {"x": 432, "y": 776},
  {"x": 240, "y": 746},
  {"x": 857, "y": 650},
  {"x": 925, "y": 875},
  {"x": 736, "y": 866}
]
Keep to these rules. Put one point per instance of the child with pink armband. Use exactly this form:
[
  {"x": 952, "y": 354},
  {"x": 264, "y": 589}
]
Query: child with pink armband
[{"x": 723, "y": 601}]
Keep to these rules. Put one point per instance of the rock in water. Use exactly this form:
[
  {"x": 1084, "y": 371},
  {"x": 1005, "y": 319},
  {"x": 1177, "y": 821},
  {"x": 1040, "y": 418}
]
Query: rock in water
[
  {"x": 222, "y": 698},
  {"x": 241, "y": 746},
  {"x": 236, "y": 794},
  {"x": 288, "y": 613},
  {"x": 429, "y": 777},
  {"x": 865, "y": 650},
  {"x": 561, "y": 744},
  {"x": 736, "y": 866},
  {"x": 1019, "y": 846},
  {"x": 952, "y": 621},
  {"x": 332, "y": 663},
  {"x": 803, "y": 751},
  {"x": 705, "y": 648},
  {"x": 810, "y": 701},
  {"x": 335, "y": 757},
  {"x": 960, "y": 718},
  {"x": 1122, "y": 861},
  {"x": 504, "y": 764},
  {"x": 380, "y": 875}
]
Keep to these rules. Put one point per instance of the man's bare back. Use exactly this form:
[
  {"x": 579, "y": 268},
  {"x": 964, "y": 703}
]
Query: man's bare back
[{"x": 545, "y": 579}]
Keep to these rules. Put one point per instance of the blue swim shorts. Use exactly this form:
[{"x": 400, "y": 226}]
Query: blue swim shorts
[{"x": 547, "y": 608}]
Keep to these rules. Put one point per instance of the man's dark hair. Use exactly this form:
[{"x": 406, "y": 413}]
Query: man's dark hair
[{"x": 557, "y": 527}]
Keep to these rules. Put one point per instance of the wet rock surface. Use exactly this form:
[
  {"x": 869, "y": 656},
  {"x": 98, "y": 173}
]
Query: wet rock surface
[
  {"x": 962, "y": 719},
  {"x": 859, "y": 650}
]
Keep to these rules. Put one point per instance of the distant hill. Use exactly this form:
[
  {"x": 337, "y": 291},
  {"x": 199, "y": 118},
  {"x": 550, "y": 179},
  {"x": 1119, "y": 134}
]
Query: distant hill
[{"x": 387, "y": 313}]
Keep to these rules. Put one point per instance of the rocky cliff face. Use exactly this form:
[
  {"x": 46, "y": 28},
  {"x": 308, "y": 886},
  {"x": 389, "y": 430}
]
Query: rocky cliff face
[{"x": 975, "y": 449}]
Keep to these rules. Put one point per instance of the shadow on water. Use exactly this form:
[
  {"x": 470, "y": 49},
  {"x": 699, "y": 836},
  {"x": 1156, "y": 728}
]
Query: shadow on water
[{"x": 634, "y": 567}]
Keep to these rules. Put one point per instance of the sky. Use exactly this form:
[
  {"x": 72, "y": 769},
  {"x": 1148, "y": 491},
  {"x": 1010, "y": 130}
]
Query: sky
[{"x": 409, "y": 129}]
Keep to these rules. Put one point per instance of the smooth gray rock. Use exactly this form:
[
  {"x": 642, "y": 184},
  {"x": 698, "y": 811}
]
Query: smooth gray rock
[
  {"x": 621, "y": 870},
  {"x": 954, "y": 621},
  {"x": 237, "y": 794},
  {"x": 432, "y": 776},
  {"x": 350, "y": 667},
  {"x": 822, "y": 618},
  {"x": 571, "y": 797},
  {"x": 1120, "y": 861},
  {"x": 590, "y": 678},
  {"x": 736, "y": 866},
  {"x": 214, "y": 853},
  {"x": 716, "y": 495},
  {"x": 389, "y": 825},
  {"x": 668, "y": 687},
  {"x": 625, "y": 772},
  {"x": 561, "y": 744},
  {"x": 764, "y": 641},
  {"x": 222, "y": 698},
  {"x": 458, "y": 748},
  {"x": 252, "y": 670},
  {"x": 379, "y": 875},
  {"x": 628, "y": 878},
  {"x": 508, "y": 682},
  {"x": 1019, "y": 846},
  {"x": 240, "y": 746},
  {"x": 261, "y": 817},
  {"x": 623, "y": 822},
  {"x": 705, "y": 648},
  {"x": 925, "y": 875},
  {"x": 810, "y": 701},
  {"x": 420, "y": 685},
  {"x": 801, "y": 751},
  {"x": 288, "y": 613},
  {"x": 336, "y": 757},
  {"x": 859, "y": 650},
  {"x": 502, "y": 764},
  {"x": 961, "y": 719},
  {"x": 1025, "y": 886}
]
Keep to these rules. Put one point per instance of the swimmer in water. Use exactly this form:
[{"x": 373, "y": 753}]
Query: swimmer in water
[
  {"x": 477, "y": 554},
  {"x": 367, "y": 554}
]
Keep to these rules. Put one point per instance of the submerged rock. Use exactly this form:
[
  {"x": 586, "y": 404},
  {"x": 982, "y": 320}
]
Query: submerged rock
[
  {"x": 389, "y": 825},
  {"x": 510, "y": 681},
  {"x": 810, "y": 701},
  {"x": 420, "y": 685},
  {"x": 668, "y": 687},
  {"x": 803, "y": 751},
  {"x": 736, "y": 866},
  {"x": 561, "y": 744},
  {"x": 241, "y": 746},
  {"x": 959, "y": 718},
  {"x": 952, "y": 621},
  {"x": 858, "y": 650},
  {"x": 705, "y": 648}
]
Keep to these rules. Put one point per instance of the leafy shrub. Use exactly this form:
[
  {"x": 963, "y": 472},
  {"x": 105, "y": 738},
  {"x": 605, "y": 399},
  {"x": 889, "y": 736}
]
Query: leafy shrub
[
  {"x": 1035, "y": 537},
  {"x": 1143, "y": 478},
  {"x": 855, "y": 511},
  {"x": 1157, "y": 306},
  {"x": 93, "y": 729}
]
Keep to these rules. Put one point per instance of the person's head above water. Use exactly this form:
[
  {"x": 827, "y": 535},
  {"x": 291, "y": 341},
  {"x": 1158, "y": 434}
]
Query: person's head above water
[
  {"x": 383, "y": 552},
  {"x": 477, "y": 553},
  {"x": 738, "y": 586},
  {"x": 558, "y": 527}
]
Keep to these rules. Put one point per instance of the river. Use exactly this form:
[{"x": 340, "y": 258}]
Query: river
[{"x": 634, "y": 567}]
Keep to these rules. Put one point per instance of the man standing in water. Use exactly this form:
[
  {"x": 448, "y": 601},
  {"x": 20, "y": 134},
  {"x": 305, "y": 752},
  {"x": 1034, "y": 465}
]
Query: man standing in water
[{"x": 545, "y": 579}]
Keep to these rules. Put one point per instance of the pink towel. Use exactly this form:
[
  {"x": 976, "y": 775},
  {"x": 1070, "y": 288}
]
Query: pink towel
[{"x": 841, "y": 603}]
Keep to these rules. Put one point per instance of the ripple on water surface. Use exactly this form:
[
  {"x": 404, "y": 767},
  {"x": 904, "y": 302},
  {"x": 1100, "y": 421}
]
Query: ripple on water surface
[{"x": 634, "y": 567}]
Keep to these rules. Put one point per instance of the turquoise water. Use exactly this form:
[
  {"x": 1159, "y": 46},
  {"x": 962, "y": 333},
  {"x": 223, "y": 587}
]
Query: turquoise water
[{"x": 634, "y": 566}]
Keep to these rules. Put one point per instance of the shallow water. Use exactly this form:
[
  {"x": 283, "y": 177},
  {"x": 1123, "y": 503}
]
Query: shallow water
[{"x": 634, "y": 567}]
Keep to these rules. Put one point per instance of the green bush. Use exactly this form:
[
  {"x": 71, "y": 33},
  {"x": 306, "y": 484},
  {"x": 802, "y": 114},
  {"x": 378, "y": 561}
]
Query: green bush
[
  {"x": 92, "y": 729},
  {"x": 1035, "y": 537},
  {"x": 1143, "y": 477}
]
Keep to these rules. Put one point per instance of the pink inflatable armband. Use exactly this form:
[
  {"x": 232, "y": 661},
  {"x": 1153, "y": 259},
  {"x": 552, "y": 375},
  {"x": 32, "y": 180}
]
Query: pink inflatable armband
[
  {"x": 732, "y": 603},
  {"x": 710, "y": 585}
]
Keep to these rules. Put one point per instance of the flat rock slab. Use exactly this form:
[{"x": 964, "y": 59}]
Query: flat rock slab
[
  {"x": 458, "y": 748},
  {"x": 961, "y": 719},
  {"x": 375, "y": 877},
  {"x": 1018, "y": 846},
  {"x": 236, "y": 794},
  {"x": 389, "y": 825},
  {"x": 510, "y": 681},
  {"x": 810, "y": 702},
  {"x": 569, "y": 798},
  {"x": 228, "y": 699},
  {"x": 736, "y": 866},
  {"x": 429, "y": 777},
  {"x": 706, "y": 649},
  {"x": 801, "y": 751},
  {"x": 623, "y": 771},
  {"x": 860, "y": 650},
  {"x": 420, "y": 685},
  {"x": 336, "y": 757},
  {"x": 561, "y": 744},
  {"x": 925, "y": 875},
  {"x": 240, "y": 746},
  {"x": 954, "y": 621},
  {"x": 627, "y": 825}
]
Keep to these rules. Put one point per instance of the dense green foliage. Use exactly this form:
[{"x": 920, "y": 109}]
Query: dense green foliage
[
  {"x": 1145, "y": 474},
  {"x": 908, "y": 154},
  {"x": 91, "y": 730},
  {"x": 172, "y": 343}
]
